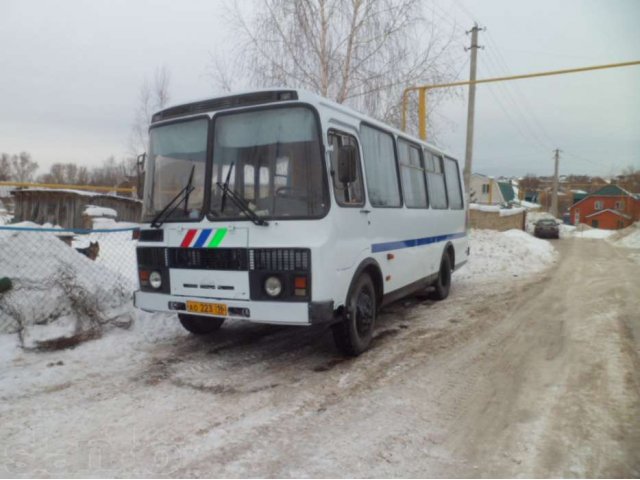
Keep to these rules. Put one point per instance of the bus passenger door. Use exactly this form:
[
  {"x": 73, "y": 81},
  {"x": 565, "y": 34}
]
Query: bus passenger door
[{"x": 350, "y": 215}]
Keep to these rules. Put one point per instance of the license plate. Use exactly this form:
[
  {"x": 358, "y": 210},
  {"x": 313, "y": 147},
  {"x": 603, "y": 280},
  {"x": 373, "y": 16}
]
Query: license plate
[{"x": 209, "y": 308}]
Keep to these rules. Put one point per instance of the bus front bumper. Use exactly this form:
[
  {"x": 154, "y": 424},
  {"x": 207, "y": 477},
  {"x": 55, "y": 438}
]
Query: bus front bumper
[{"x": 277, "y": 313}]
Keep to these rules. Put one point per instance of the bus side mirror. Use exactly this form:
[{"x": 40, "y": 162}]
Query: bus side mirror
[
  {"x": 347, "y": 164},
  {"x": 140, "y": 161}
]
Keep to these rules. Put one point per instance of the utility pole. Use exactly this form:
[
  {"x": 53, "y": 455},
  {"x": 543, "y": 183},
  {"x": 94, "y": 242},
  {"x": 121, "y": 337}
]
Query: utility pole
[
  {"x": 468, "y": 157},
  {"x": 554, "y": 193}
]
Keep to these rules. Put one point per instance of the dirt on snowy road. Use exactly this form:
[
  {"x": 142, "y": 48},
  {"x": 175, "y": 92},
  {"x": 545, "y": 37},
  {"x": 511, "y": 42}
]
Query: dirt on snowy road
[{"x": 534, "y": 378}]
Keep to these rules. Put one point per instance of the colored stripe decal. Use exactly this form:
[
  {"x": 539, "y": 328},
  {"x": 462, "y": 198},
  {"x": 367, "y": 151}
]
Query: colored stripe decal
[
  {"x": 202, "y": 238},
  {"x": 188, "y": 238},
  {"x": 217, "y": 238},
  {"x": 416, "y": 242}
]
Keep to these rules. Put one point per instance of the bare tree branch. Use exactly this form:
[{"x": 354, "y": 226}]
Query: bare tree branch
[
  {"x": 151, "y": 98},
  {"x": 359, "y": 52}
]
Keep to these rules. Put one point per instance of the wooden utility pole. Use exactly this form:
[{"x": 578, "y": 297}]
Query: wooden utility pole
[
  {"x": 468, "y": 157},
  {"x": 554, "y": 192}
]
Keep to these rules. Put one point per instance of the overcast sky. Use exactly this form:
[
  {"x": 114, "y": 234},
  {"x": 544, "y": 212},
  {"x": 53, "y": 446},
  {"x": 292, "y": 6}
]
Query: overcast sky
[{"x": 71, "y": 72}]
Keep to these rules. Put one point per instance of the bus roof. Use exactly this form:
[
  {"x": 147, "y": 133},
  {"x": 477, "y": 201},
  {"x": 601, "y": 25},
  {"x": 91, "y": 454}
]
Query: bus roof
[{"x": 273, "y": 95}]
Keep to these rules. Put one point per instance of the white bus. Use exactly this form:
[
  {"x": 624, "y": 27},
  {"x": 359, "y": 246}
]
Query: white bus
[{"x": 283, "y": 207}]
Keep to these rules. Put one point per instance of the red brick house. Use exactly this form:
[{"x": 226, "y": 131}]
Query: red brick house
[{"x": 610, "y": 208}]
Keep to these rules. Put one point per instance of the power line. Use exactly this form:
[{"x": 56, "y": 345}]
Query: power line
[
  {"x": 529, "y": 111},
  {"x": 464, "y": 10}
]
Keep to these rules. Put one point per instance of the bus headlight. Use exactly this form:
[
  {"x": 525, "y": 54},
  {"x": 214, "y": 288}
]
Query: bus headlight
[
  {"x": 155, "y": 279},
  {"x": 273, "y": 286}
]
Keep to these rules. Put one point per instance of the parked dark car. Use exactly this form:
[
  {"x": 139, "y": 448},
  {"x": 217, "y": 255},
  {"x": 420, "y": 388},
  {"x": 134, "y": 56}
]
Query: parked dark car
[{"x": 547, "y": 228}]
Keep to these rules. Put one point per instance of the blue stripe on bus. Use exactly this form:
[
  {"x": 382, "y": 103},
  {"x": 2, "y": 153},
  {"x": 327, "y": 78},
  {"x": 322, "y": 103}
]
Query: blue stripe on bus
[
  {"x": 416, "y": 242},
  {"x": 202, "y": 238}
]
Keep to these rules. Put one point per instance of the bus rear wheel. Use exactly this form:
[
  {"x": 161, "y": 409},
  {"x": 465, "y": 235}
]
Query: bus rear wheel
[
  {"x": 200, "y": 325},
  {"x": 443, "y": 283},
  {"x": 354, "y": 332}
]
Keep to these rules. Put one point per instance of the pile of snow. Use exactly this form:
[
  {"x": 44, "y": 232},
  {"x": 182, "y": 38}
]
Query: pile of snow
[
  {"x": 592, "y": 233},
  {"x": 95, "y": 211},
  {"x": 504, "y": 255},
  {"x": 566, "y": 231},
  {"x": 58, "y": 294},
  {"x": 628, "y": 237}
]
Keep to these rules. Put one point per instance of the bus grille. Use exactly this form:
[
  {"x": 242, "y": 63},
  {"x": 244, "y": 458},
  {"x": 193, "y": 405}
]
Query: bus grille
[
  {"x": 152, "y": 257},
  {"x": 279, "y": 259},
  {"x": 238, "y": 259},
  {"x": 208, "y": 258}
]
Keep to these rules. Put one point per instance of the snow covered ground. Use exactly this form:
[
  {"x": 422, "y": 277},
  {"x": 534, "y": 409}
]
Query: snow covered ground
[
  {"x": 84, "y": 374},
  {"x": 478, "y": 385}
]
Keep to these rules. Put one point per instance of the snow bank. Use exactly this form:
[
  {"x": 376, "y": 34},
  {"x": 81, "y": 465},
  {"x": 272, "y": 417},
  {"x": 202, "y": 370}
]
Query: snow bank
[
  {"x": 504, "y": 255},
  {"x": 58, "y": 294},
  {"x": 628, "y": 237}
]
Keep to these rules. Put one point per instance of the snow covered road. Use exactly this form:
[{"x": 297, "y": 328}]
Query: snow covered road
[{"x": 511, "y": 377}]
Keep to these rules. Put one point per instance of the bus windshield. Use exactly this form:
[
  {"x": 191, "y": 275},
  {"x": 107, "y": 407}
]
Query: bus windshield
[
  {"x": 275, "y": 164},
  {"x": 176, "y": 150}
]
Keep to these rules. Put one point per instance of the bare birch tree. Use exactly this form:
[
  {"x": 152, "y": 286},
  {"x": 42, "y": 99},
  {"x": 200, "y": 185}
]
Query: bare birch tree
[
  {"x": 359, "y": 52},
  {"x": 153, "y": 96}
]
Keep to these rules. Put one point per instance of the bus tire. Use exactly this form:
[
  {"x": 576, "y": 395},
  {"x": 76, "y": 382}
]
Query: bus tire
[
  {"x": 200, "y": 325},
  {"x": 443, "y": 283},
  {"x": 354, "y": 332}
]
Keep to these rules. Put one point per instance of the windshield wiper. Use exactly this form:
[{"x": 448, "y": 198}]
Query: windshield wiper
[
  {"x": 182, "y": 195},
  {"x": 226, "y": 188},
  {"x": 241, "y": 203}
]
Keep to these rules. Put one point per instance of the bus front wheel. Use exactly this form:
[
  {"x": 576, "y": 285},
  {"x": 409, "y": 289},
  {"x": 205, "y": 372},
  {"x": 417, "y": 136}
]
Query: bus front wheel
[
  {"x": 200, "y": 325},
  {"x": 353, "y": 333},
  {"x": 443, "y": 283}
]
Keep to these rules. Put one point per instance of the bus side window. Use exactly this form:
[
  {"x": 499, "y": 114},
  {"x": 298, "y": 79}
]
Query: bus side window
[
  {"x": 352, "y": 194},
  {"x": 435, "y": 181},
  {"x": 454, "y": 189},
  {"x": 412, "y": 175},
  {"x": 380, "y": 164}
]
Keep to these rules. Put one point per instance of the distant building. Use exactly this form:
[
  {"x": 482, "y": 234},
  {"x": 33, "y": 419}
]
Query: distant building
[
  {"x": 503, "y": 191},
  {"x": 66, "y": 207},
  {"x": 611, "y": 208},
  {"x": 485, "y": 190}
]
